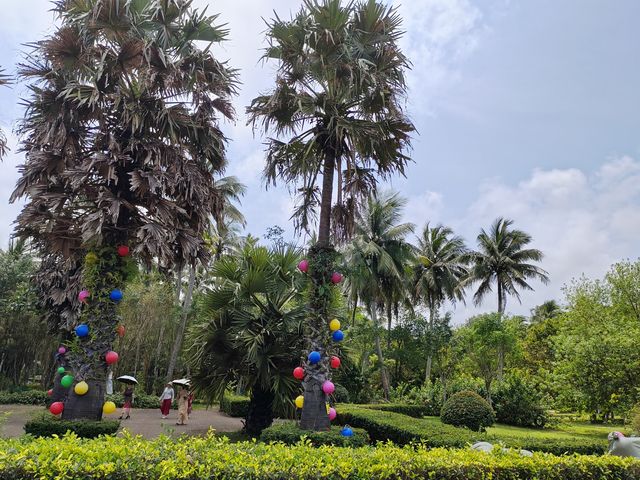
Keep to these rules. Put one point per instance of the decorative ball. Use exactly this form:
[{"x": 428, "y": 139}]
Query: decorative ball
[
  {"x": 298, "y": 373},
  {"x": 120, "y": 329},
  {"x": 81, "y": 388},
  {"x": 303, "y": 266},
  {"x": 328, "y": 387},
  {"x": 334, "y": 325},
  {"x": 60, "y": 370},
  {"x": 83, "y": 295},
  {"x": 56, "y": 408},
  {"x": 67, "y": 381},
  {"x": 82, "y": 330},
  {"x": 335, "y": 362},
  {"x": 327, "y": 407},
  {"x": 314, "y": 357},
  {"x": 123, "y": 250},
  {"x": 346, "y": 432},
  {"x": 332, "y": 414},
  {"x": 337, "y": 336},
  {"x": 336, "y": 278},
  {"x": 116, "y": 295},
  {"x": 111, "y": 358},
  {"x": 108, "y": 408},
  {"x": 299, "y": 401},
  {"x": 50, "y": 392},
  {"x": 91, "y": 258},
  {"x": 62, "y": 350}
]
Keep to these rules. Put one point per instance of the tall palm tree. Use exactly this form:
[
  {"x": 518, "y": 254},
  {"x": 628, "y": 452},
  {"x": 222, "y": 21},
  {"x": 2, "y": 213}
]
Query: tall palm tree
[
  {"x": 253, "y": 331},
  {"x": 336, "y": 110},
  {"x": 378, "y": 257},
  {"x": 122, "y": 144},
  {"x": 502, "y": 258},
  {"x": 439, "y": 271},
  {"x": 4, "y": 80}
]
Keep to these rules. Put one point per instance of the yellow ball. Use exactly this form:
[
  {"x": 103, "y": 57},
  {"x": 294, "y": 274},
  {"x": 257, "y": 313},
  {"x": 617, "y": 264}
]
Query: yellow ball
[
  {"x": 328, "y": 407},
  {"x": 108, "y": 408},
  {"x": 334, "y": 324},
  {"x": 81, "y": 388},
  {"x": 299, "y": 401},
  {"x": 91, "y": 258}
]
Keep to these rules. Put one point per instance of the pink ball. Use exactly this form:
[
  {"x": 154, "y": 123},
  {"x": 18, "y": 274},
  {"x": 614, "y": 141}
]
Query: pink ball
[
  {"x": 303, "y": 266},
  {"x": 111, "y": 357},
  {"x": 328, "y": 387},
  {"x": 336, "y": 278},
  {"x": 83, "y": 295},
  {"x": 62, "y": 350},
  {"x": 332, "y": 414}
]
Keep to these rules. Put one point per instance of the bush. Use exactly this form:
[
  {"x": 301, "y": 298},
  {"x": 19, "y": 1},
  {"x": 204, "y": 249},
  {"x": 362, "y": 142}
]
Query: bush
[
  {"x": 340, "y": 394},
  {"x": 518, "y": 403},
  {"x": 140, "y": 400},
  {"x": 212, "y": 457},
  {"x": 416, "y": 411},
  {"x": 27, "y": 397},
  {"x": 234, "y": 405},
  {"x": 47, "y": 425},
  {"x": 467, "y": 409},
  {"x": 290, "y": 433}
]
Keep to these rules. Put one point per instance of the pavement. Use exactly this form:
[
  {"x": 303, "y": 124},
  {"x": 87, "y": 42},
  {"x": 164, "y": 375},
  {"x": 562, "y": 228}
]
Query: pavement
[{"x": 145, "y": 422}]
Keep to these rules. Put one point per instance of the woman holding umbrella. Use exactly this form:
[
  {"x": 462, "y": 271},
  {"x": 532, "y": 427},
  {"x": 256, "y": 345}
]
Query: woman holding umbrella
[{"x": 129, "y": 381}]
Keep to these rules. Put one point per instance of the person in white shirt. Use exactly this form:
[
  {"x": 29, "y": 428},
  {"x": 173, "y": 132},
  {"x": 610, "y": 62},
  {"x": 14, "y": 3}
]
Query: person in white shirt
[{"x": 166, "y": 399}]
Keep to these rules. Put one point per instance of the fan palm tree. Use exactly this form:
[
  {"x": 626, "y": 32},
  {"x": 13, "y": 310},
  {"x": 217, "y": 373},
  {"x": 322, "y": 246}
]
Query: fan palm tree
[
  {"x": 502, "y": 258},
  {"x": 439, "y": 271},
  {"x": 4, "y": 80},
  {"x": 377, "y": 258},
  {"x": 122, "y": 144},
  {"x": 336, "y": 111},
  {"x": 253, "y": 332}
]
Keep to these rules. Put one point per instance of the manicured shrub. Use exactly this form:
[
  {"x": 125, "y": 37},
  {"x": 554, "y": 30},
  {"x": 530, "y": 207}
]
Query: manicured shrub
[
  {"x": 140, "y": 400},
  {"x": 340, "y": 394},
  {"x": 27, "y": 397},
  {"x": 467, "y": 409},
  {"x": 518, "y": 403},
  {"x": 290, "y": 434},
  {"x": 234, "y": 405},
  {"x": 47, "y": 425},
  {"x": 416, "y": 411},
  {"x": 212, "y": 457}
]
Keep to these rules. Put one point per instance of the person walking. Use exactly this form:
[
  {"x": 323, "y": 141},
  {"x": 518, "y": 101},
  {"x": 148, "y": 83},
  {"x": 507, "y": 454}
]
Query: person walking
[
  {"x": 128, "y": 402},
  {"x": 183, "y": 406},
  {"x": 166, "y": 399}
]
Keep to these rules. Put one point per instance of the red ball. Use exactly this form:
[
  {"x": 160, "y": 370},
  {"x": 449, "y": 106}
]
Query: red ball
[
  {"x": 50, "y": 392},
  {"x": 111, "y": 358},
  {"x": 120, "y": 330},
  {"x": 123, "y": 250},
  {"x": 298, "y": 373},
  {"x": 56, "y": 408},
  {"x": 336, "y": 278},
  {"x": 335, "y": 362}
]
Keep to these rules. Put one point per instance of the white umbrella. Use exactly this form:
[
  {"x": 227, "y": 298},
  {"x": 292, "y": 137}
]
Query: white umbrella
[
  {"x": 185, "y": 382},
  {"x": 127, "y": 379}
]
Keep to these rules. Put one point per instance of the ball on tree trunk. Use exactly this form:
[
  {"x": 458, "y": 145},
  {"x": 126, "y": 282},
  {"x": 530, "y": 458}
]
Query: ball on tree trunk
[
  {"x": 62, "y": 350},
  {"x": 336, "y": 278},
  {"x": 299, "y": 401},
  {"x": 56, "y": 408},
  {"x": 116, "y": 295},
  {"x": 314, "y": 357},
  {"x": 335, "y": 362},
  {"x": 83, "y": 296},
  {"x": 91, "y": 258},
  {"x": 303, "y": 266},
  {"x": 108, "y": 408},
  {"x": 66, "y": 381},
  {"x": 111, "y": 358},
  {"x": 332, "y": 414},
  {"x": 60, "y": 370},
  {"x": 337, "y": 336},
  {"x": 120, "y": 329},
  {"x": 81, "y": 388},
  {"x": 50, "y": 392},
  {"x": 334, "y": 325},
  {"x": 82, "y": 330},
  {"x": 328, "y": 387},
  {"x": 298, "y": 373},
  {"x": 123, "y": 250}
]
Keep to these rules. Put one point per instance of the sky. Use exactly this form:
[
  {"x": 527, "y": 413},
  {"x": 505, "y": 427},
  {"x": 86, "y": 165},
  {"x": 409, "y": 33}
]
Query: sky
[{"x": 528, "y": 110}]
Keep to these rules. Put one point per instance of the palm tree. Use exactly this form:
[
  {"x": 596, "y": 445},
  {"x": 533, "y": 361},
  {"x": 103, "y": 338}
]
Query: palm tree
[
  {"x": 122, "y": 144},
  {"x": 4, "y": 80},
  {"x": 377, "y": 259},
  {"x": 502, "y": 258},
  {"x": 253, "y": 332},
  {"x": 438, "y": 273},
  {"x": 336, "y": 109}
]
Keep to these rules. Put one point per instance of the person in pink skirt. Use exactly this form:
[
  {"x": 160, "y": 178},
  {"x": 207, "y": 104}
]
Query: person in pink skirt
[{"x": 166, "y": 399}]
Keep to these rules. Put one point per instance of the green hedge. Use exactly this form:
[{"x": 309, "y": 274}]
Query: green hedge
[
  {"x": 416, "y": 411},
  {"x": 290, "y": 434},
  {"x": 46, "y": 425},
  {"x": 403, "y": 430},
  {"x": 212, "y": 457},
  {"x": 27, "y": 397},
  {"x": 140, "y": 400},
  {"x": 234, "y": 405}
]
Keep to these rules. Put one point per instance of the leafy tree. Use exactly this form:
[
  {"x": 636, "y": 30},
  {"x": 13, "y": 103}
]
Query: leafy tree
[
  {"x": 251, "y": 332},
  {"x": 624, "y": 279},
  {"x": 336, "y": 109},
  {"x": 122, "y": 144},
  {"x": 439, "y": 272},
  {"x": 545, "y": 311},
  {"x": 502, "y": 258}
]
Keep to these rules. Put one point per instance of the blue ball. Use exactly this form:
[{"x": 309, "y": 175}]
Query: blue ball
[
  {"x": 346, "y": 432},
  {"x": 338, "y": 335},
  {"x": 314, "y": 357},
  {"x": 116, "y": 295},
  {"x": 82, "y": 330}
]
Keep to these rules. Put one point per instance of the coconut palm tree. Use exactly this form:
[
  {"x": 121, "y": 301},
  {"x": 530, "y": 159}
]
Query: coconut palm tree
[
  {"x": 253, "y": 331},
  {"x": 502, "y": 258},
  {"x": 439, "y": 271},
  {"x": 336, "y": 116},
  {"x": 122, "y": 144}
]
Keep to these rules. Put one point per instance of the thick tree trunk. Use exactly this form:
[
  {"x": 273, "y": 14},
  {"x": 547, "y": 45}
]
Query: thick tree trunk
[
  {"x": 87, "y": 406},
  {"x": 260, "y": 413},
  {"x": 383, "y": 369},
  {"x": 177, "y": 344}
]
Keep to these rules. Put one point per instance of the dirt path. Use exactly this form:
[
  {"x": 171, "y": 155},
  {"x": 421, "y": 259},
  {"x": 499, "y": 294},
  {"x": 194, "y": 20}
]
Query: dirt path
[{"x": 147, "y": 423}]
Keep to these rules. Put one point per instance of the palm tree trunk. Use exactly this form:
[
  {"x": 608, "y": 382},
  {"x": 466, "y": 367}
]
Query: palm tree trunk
[
  {"x": 260, "y": 413},
  {"x": 501, "y": 299},
  {"x": 427, "y": 373},
  {"x": 389, "y": 318},
  {"x": 177, "y": 344},
  {"x": 383, "y": 369},
  {"x": 327, "y": 197}
]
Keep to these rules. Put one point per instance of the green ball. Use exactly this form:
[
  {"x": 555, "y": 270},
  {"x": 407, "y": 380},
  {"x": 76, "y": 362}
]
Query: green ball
[
  {"x": 60, "y": 370},
  {"x": 67, "y": 381}
]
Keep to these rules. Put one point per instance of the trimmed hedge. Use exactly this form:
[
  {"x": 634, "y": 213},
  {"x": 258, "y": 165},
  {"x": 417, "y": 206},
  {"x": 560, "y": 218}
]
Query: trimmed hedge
[
  {"x": 415, "y": 411},
  {"x": 404, "y": 430},
  {"x": 46, "y": 425},
  {"x": 290, "y": 433},
  {"x": 212, "y": 457},
  {"x": 235, "y": 405},
  {"x": 27, "y": 397}
]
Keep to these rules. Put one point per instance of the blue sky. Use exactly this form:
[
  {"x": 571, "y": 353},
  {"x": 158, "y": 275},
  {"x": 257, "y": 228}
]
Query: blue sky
[{"x": 528, "y": 109}]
